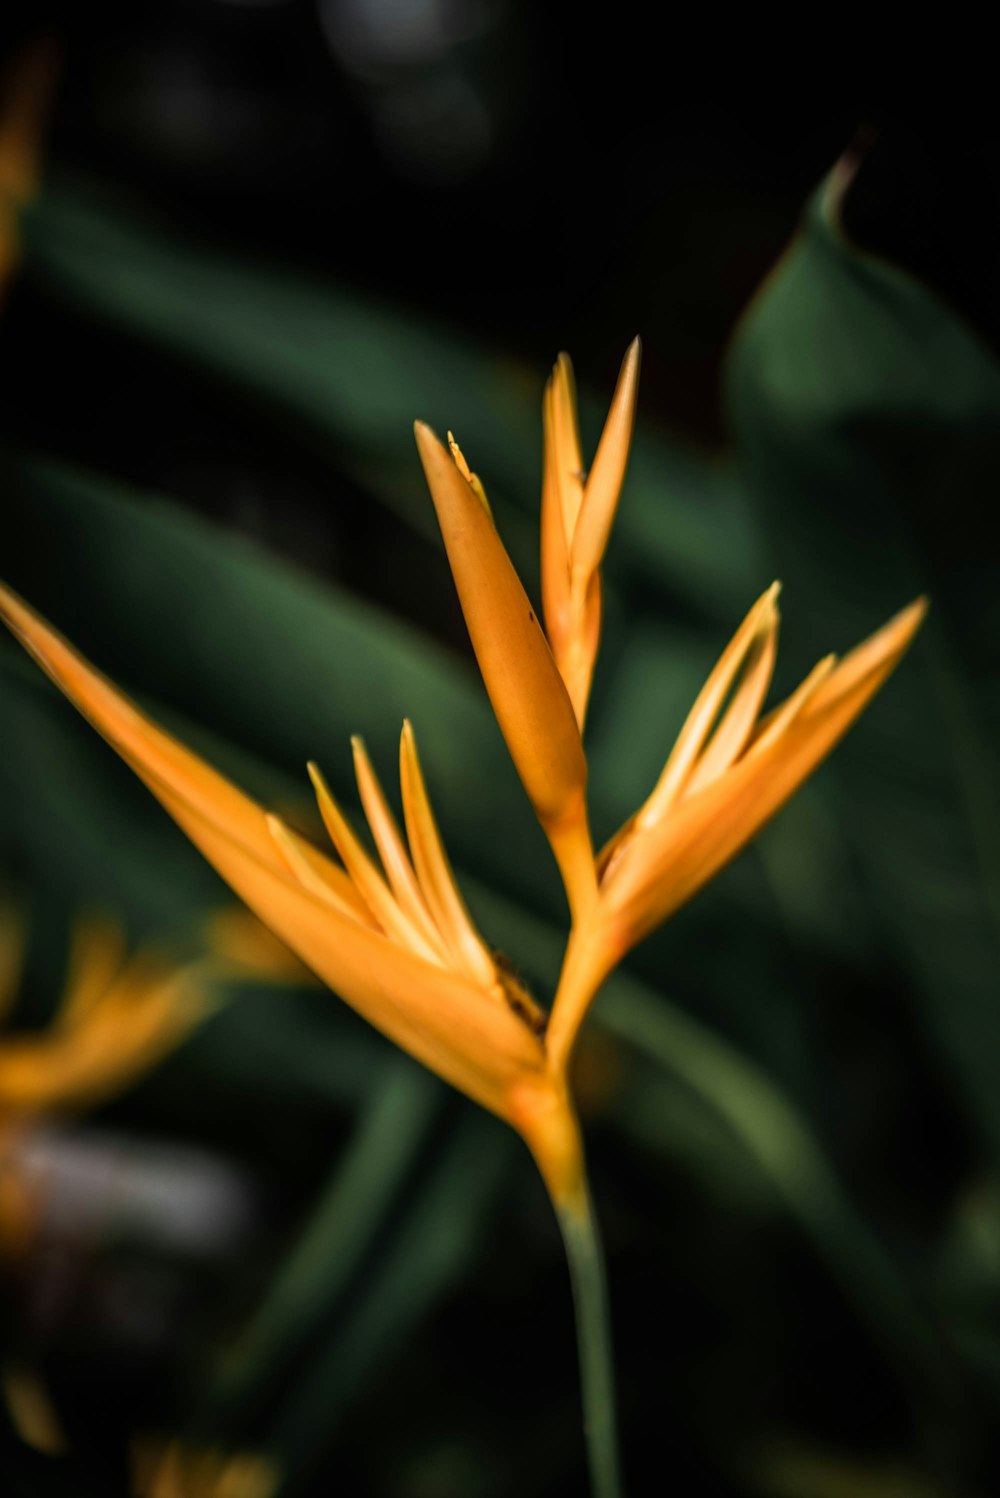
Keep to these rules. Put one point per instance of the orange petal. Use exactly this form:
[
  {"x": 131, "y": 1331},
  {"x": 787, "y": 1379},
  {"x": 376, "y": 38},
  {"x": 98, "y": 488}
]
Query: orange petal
[
  {"x": 662, "y": 866},
  {"x": 576, "y": 663},
  {"x": 555, "y": 543},
  {"x": 302, "y": 861},
  {"x": 528, "y": 696},
  {"x": 705, "y": 710},
  {"x": 774, "y": 724},
  {"x": 367, "y": 879},
  {"x": 576, "y": 521},
  {"x": 736, "y": 726},
  {"x": 607, "y": 473},
  {"x": 314, "y": 866},
  {"x": 568, "y": 461},
  {"x": 392, "y": 849},
  {"x": 481, "y": 1048},
  {"x": 473, "y": 480},
  {"x": 437, "y": 881}
]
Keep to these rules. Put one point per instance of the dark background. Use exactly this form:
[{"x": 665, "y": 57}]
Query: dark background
[
  {"x": 534, "y": 181},
  {"x": 526, "y": 181}
]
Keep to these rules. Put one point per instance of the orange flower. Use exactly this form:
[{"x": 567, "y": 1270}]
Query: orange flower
[
  {"x": 392, "y": 936},
  {"x": 118, "y": 1016}
]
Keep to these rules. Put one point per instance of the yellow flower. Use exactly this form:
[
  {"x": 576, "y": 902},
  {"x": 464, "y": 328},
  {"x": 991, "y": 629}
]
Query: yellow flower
[
  {"x": 394, "y": 937},
  {"x": 173, "y": 1469},
  {"x": 118, "y": 1016}
]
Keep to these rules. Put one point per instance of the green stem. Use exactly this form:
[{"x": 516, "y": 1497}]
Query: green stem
[{"x": 593, "y": 1331}]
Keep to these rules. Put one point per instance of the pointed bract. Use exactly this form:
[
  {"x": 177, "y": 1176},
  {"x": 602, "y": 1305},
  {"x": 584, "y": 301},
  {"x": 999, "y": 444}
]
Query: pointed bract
[
  {"x": 366, "y": 877},
  {"x": 577, "y": 514},
  {"x": 392, "y": 851},
  {"x": 554, "y": 541},
  {"x": 527, "y": 692},
  {"x": 699, "y": 721},
  {"x": 737, "y": 723},
  {"x": 607, "y": 474},
  {"x": 444, "y": 899}
]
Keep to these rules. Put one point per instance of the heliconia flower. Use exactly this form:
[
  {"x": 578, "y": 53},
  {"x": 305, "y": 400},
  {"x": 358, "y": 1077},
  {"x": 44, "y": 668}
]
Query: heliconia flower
[
  {"x": 118, "y": 1016},
  {"x": 395, "y": 941}
]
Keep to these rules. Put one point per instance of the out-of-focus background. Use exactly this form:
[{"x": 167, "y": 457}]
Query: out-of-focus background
[{"x": 245, "y": 1246}]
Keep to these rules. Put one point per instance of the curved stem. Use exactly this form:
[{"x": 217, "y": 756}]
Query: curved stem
[{"x": 593, "y": 1331}]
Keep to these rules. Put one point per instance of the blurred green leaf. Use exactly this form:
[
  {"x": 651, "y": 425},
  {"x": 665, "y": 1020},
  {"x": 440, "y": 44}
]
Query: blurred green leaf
[
  {"x": 428, "y": 1250},
  {"x": 356, "y": 372},
  {"x": 867, "y": 420},
  {"x": 330, "y": 1253},
  {"x": 781, "y": 1145}
]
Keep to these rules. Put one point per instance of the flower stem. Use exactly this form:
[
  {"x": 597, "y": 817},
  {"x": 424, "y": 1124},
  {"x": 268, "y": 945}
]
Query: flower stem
[{"x": 593, "y": 1331}]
